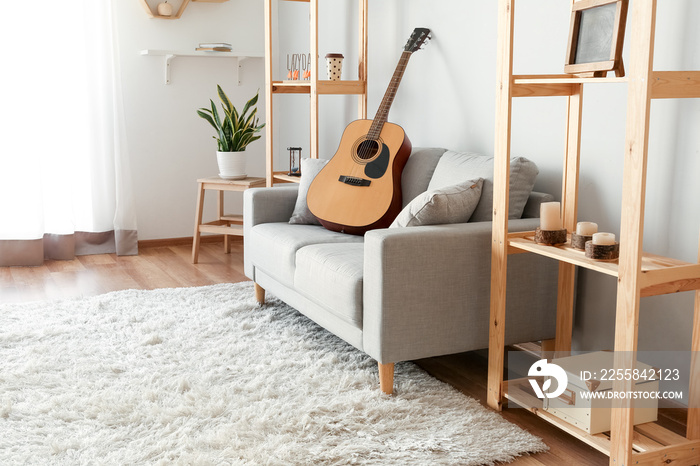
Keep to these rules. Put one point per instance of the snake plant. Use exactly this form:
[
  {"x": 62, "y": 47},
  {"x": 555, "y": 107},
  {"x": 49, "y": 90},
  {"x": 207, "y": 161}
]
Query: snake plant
[{"x": 236, "y": 130}]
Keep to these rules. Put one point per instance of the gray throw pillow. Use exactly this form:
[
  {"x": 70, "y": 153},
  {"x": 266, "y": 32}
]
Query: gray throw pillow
[
  {"x": 454, "y": 167},
  {"x": 309, "y": 169},
  {"x": 452, "y": 204}
]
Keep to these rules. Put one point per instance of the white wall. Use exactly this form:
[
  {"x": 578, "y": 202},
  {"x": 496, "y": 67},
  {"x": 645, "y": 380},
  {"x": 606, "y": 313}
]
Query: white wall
[
  {"x": 170, "y": 145},
  {"x": 447, "y": 99}
]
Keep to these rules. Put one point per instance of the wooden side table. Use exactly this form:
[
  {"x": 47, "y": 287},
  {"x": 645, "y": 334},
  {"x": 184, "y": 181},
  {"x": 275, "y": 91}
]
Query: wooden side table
[{"x": 225, "y": 224}]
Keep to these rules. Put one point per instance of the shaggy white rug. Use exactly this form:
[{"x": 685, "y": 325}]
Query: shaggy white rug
[{"x": 205, "y": 376}]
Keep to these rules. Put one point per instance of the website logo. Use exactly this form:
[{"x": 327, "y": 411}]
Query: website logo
[{"x": 550, "y": 371}]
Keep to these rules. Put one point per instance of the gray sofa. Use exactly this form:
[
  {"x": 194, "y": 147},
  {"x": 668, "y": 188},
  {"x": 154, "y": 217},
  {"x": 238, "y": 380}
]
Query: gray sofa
[{"x": 405, "y": 293}]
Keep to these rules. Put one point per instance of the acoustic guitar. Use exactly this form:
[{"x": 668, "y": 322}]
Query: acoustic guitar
[{"x": 359, "y": 189}]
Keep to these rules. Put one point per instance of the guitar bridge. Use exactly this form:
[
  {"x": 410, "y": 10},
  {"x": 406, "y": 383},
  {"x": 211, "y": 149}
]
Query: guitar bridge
[{"x": 354, "y": 181}]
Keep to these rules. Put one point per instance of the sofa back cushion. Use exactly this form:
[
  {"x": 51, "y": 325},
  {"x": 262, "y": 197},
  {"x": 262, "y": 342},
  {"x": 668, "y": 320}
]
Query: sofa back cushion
[
  {"x": 418, "y": 172},
  {"x": 456, "y": 167}
]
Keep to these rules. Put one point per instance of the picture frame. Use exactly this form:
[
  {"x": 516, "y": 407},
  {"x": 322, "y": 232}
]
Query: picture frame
[{"x": 596, "y": 36}]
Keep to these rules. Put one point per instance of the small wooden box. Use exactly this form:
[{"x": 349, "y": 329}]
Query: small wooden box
[{"x": 591, "y": 374}]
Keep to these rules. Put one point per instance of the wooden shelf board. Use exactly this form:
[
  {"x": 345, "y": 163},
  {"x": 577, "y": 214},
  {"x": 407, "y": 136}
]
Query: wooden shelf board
[
  {"x": 291, "y": 87},
  {"x": 322, "y": 87},
  {"x": 341, "y": 87},
  {"x": 283, "y": 177},
  {"x": 235, "y": 218},
  {"x": 222, "y": 229},
  {"x": 660, "y": 275},
  {"x": 553, "y": 85},
  {"x": 650, "y": 440},
  {"x": 675, "y": 84},
  {"x": 563, "y": 79}
]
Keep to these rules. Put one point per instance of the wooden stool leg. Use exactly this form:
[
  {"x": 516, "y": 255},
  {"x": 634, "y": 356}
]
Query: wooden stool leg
[
  {"x": 197, "y": 223},
  {"x": 386, "y": 377},
  {"x": 220, "y": 207},
  {"x": 259, "y": 294}
]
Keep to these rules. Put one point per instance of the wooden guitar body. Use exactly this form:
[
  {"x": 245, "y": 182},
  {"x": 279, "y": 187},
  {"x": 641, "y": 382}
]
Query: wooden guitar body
[{"x": 360, "y": 187}]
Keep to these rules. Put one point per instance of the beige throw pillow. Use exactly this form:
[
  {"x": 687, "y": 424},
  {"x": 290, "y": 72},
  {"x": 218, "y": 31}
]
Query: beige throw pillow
[{"x": 451, "y": 204}]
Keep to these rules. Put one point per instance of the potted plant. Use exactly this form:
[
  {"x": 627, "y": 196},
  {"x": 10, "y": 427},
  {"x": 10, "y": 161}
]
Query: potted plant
[{"x": 233, "y": 133}]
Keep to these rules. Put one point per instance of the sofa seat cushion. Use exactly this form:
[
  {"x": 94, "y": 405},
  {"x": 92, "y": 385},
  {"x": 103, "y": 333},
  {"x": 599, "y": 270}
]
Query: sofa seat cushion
[
  {"x": 273, "y": 246},
  {"x": 331, "y": 275}
]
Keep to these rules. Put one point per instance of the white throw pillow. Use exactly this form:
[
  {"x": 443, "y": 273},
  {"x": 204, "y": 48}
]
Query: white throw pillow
[
  {"x": 309, "y": 169},
  {"x": 452, "y": 204}
]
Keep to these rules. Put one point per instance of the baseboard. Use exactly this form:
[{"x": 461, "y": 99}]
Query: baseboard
[{"x": 167, "y": 242}]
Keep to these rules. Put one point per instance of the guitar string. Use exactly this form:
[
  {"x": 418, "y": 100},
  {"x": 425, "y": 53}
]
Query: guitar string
[{"x": 383, "y": 111}]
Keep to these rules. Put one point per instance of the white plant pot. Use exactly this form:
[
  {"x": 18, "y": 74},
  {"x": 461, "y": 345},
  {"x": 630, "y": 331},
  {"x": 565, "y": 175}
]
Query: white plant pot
[{"x": 231, "y": 165}]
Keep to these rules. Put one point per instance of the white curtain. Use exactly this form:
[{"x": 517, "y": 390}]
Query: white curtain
[{"x": 64, "y": 172}]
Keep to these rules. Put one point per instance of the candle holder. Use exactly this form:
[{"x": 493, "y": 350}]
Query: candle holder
[
  {"x": 602, "y": 252},
  {"x": 579, "y": 241},
  {"x": 550, "y": 237}
]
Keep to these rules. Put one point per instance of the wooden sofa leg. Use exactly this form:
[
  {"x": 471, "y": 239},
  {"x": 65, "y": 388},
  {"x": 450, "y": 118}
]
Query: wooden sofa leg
[
  {"x": 259, "y": 294},
  {"x": 386, "y": 377}
]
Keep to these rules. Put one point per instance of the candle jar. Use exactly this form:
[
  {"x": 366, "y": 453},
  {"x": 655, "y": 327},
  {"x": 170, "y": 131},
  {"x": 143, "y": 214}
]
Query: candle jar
[
  {"x": 550, "y": 231},
  {"x": 584, "y": 232},
  {"x": 603, "y": 247}
]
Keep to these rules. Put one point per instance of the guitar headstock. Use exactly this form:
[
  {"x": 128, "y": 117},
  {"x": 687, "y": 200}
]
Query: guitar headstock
[{"x": 417, "y": 39}]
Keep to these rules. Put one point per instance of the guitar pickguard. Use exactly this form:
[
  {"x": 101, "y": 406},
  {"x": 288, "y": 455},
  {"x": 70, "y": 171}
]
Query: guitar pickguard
[{"x": 377, "y": 167}]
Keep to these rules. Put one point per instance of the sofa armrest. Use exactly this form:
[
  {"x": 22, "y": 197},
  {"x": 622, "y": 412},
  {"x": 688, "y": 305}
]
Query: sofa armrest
[
  {"x": 265, "y": 205},
  {"x": 268, "y": 205},
  {"x": 426, "y": 291}
]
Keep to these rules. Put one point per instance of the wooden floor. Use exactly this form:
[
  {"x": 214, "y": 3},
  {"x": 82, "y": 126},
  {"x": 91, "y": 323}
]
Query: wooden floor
[{"x": 169, "y": 265}]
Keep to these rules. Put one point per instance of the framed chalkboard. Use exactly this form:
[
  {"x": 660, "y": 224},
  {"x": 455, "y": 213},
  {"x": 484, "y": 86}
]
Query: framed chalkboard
[{"x": 595, "y": 37}]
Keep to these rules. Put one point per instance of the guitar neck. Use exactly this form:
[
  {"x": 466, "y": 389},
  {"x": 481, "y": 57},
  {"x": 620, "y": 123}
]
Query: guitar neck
[{"x": 383, "y": 112}]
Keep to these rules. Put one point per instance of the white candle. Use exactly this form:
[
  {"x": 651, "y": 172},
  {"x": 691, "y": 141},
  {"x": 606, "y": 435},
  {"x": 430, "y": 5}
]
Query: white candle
[
  {"x": 550, "y": 216},
  {"x": 586, "y": 228},
  {"x": 604, "y": 238}
]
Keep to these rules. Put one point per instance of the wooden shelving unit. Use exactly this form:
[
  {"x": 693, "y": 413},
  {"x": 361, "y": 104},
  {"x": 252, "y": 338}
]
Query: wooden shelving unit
[
  {"x": 314, "y": 87},
  {"x": 639, "y": 274}
]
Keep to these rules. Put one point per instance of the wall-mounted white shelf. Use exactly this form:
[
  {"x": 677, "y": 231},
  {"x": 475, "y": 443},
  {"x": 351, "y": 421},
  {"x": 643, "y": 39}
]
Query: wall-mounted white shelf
[{"x": 170, "y": 54}]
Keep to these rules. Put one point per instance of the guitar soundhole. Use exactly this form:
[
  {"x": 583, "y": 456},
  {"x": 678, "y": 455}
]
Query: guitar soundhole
[{"x": 367, "y": 149}]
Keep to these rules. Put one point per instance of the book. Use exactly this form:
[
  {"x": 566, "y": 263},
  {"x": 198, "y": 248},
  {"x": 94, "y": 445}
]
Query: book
[
  {"x": 215, "y": 44},
  {"x": 213, "y": 49}
]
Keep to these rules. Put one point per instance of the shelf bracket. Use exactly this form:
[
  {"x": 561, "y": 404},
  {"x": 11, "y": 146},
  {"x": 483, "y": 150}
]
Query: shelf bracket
[
  {"x": 238, "y": 69},
  {"x": 168, "y": 58}
]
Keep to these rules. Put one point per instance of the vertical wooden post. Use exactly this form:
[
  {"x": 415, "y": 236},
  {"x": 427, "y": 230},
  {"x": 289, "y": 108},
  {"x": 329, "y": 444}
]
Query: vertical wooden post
[
  {"x": 269, "y": 157},
  {"x": 362, "y": 67},
  {"x": 220, "y": 213},
  {"x": 693, "y": 431},
  {"x": 632, "y": 221},
  {"x": 569, "y": 196},
  {"x": 313, "y": 94},
  {"x": 499, "y": 241}
]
